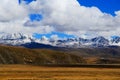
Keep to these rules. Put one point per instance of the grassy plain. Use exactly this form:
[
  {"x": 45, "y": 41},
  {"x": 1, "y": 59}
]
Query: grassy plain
[{"x": 28, "y": 72}]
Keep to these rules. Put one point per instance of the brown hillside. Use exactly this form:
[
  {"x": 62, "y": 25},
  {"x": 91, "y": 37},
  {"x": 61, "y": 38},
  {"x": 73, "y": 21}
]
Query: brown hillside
[
  {"x": 19, "y": 55},
  {"x": 97, "y": 55}
]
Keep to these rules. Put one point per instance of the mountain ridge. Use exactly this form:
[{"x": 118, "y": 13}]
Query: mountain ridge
[{"x": 19, "y": 39}]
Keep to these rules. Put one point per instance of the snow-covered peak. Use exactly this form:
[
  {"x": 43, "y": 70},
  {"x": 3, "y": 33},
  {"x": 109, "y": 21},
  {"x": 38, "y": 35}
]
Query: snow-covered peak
[
  {"x": 19, "y": 38},
  {"x": 44, "y": 38},
  {"x": 100, "y": 41},
  {"x": 15, "y": 39},
  {"x": 14, "y": 36}
]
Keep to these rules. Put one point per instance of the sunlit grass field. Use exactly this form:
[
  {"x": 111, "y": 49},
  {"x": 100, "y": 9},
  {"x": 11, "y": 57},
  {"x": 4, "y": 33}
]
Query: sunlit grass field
[{"x": 28, "y": 72}]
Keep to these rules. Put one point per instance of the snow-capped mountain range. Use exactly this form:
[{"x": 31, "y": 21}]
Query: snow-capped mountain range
[{"x": 18, "y": 39}]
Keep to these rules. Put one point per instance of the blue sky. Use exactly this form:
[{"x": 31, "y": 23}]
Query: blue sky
[
  {"x": 35, "y": 17},
  {"x": 60, "y": 35},
  {"x": 26, "y": 1},
  {"x": 107, "y": 6}
]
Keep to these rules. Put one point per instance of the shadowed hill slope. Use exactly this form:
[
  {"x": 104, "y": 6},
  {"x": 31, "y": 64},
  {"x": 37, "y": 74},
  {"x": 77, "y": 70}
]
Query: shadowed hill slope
[
  {"x": 107, "y": 55},
  {"x": 105, "y": 52},
  {"x": 19, "y": 55}
]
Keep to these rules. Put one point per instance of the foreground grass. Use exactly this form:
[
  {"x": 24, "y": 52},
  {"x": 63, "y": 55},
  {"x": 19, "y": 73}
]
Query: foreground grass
[{"x": 27, "y": 72}]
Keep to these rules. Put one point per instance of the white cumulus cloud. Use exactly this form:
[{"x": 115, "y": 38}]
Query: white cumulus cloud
[{"x": 66, "y": 16}]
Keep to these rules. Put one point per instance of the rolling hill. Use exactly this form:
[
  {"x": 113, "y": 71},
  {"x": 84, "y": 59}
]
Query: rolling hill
[
  {"x": 106, "y": 55},
  {"x": 20, "y": 55}
]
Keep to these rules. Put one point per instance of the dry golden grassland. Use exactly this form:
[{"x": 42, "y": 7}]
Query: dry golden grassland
[{"x": 28, "y": 72}]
